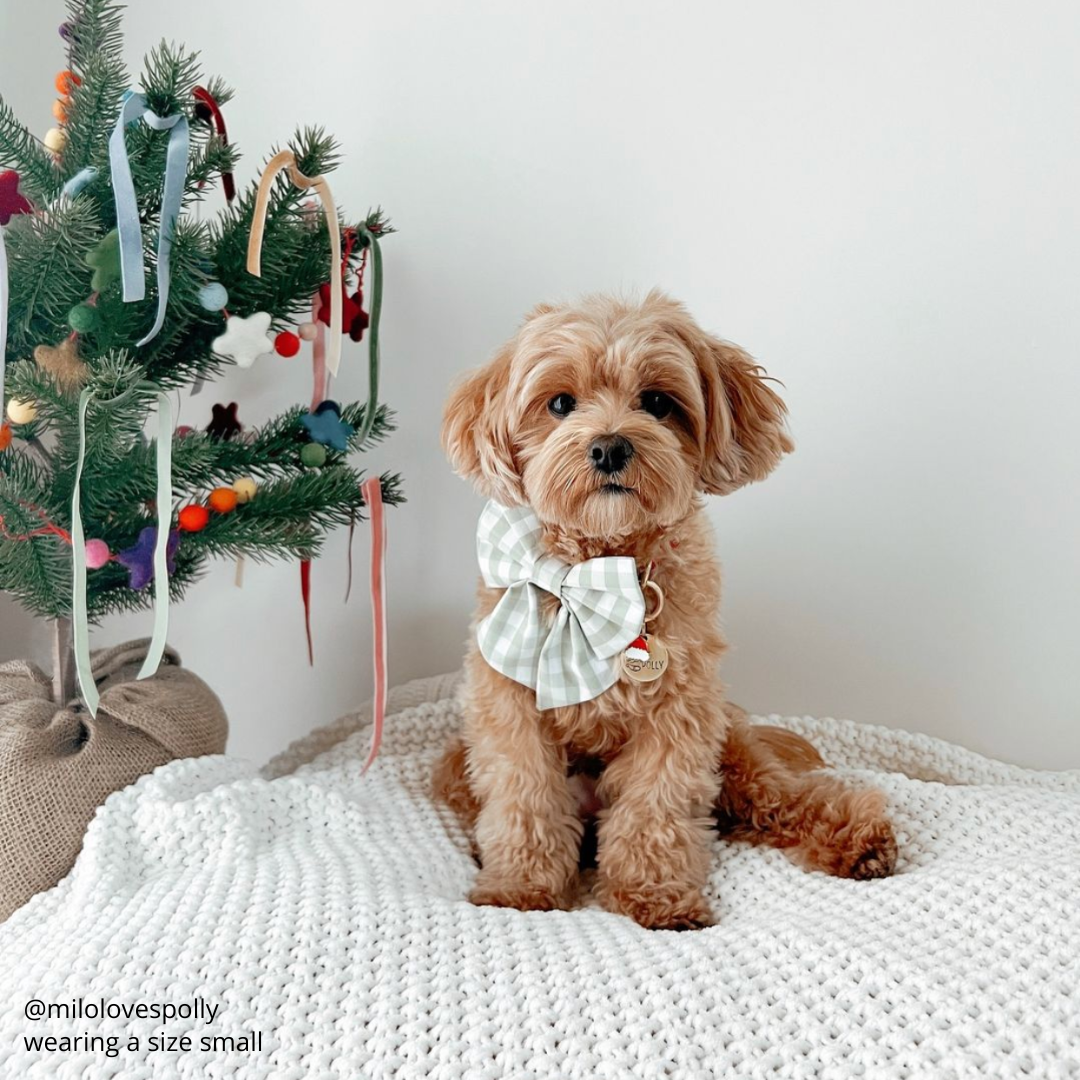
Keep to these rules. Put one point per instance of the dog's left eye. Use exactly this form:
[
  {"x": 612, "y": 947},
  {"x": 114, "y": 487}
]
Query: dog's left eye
[
  {"x": 657, "y": 403},
  {"x": 562, "y": 405}
]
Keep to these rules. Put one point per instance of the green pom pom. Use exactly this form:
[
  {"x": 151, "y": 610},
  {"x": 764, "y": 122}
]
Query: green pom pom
[
  {"x": 83, "y": 318},
  {"x": 313, "y": 455}
]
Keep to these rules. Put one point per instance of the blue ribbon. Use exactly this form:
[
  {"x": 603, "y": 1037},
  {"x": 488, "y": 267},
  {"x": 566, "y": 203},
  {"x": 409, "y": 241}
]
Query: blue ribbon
[
  {"x": 127, "y": 206},
  {"x": 80, "y": 618}
]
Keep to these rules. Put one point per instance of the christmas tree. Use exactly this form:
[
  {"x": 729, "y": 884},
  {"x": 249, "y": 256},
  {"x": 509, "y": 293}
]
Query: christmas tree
[{"x": 100, "y": 215}]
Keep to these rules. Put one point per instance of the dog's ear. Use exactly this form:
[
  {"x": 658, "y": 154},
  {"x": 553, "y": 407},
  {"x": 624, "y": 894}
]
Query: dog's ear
[
  {"x": 476, "y": 432},
  {"x": 746, "y": 434}
]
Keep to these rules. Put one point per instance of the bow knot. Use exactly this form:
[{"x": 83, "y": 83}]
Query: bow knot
[{"x": 573, "y": 657}]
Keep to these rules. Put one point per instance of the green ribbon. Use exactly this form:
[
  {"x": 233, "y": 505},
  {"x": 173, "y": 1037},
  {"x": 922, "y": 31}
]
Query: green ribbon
[
  {"x": 373, "y": 340},
  {"x": 79, "y": 605}
]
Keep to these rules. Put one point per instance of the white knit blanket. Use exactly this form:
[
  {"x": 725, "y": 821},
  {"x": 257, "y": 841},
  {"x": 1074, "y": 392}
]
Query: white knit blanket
[{"x": 323, "y": 916}]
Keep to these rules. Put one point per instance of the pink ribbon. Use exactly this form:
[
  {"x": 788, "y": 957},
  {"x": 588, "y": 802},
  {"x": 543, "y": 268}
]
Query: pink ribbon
[
  {"x": 371, "y": 489},
  {"x": 320, "y": 379}
]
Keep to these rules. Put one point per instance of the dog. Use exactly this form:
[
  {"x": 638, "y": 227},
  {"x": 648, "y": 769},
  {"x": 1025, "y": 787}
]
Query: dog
[{"x": 611, "y": 420}]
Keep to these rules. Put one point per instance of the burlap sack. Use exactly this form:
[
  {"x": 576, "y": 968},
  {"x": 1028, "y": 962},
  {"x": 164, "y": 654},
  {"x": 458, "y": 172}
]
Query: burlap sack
[{"x": 58, "y": 764}]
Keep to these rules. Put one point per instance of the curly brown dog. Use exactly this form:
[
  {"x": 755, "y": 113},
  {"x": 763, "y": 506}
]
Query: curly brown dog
[{"x": 611, "y": 419}]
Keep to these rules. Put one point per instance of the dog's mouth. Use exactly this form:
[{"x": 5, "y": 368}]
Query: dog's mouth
[{"x": 616, "y": 489}]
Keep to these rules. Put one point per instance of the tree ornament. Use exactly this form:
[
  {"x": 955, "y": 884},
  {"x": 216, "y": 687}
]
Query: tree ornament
[
  {"x": 60, "y": 111},
  {"x": 313, "y": 455},
  {"x": 21, "y": 412},
  {"x": 139, "y": 558},
  {"x": 104, "y": 259},
  {"x": 245, "y": 489},
  {"x": 193, "y": 518},
  {"x": 55, "y": 140},
  {"x": 352, "y": 313},
  {"x": 66, "y": 30},
  {"x": 63, "y": 363},
  {"x": 223, "y": 500},
  {"x": 79, "y": 181},
  {"x": 12, "y": 201},
  {"x": 5, "y": 436},
  {"x": 66, "y": 81},
  {"x": 84, "y": 318},
  {"x": 325, "y": 426},
  {"x": 208, "y": 110},
  {"x": 287, "y": 344},
  {"x": 307, "y": 331},
  {"x": 286, "y": 159},
  {"x": 213, "y": 296},
  {"x": 360, "y": 320},
  {"x": 97, "y": 554},
  {"x": 245, "y": 340},
  {"x": 224, "y": 423}
]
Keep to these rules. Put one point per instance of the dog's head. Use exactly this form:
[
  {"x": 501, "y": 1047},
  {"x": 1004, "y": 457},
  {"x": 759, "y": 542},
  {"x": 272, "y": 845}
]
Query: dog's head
[{"x": 607, "y": 416}]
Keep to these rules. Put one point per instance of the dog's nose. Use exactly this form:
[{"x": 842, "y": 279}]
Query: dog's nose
[{"x": 610, "y": 453}]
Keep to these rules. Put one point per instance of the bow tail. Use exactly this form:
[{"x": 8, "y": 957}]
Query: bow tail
[{"x": 571, "y": 670}]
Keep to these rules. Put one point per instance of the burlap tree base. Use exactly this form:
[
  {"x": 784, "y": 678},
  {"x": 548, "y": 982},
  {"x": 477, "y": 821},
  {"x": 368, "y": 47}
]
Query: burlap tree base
[{"x": 58, "y": 763}]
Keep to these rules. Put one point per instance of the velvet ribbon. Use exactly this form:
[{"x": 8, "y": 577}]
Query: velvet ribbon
[
  {"x": 3, "y": 316},
  {"x": 286, "y": 159},
  {"x": 163, "y": 502},
  {"x": 371, "y": 489},
  {"x": 127, "y": 207}
]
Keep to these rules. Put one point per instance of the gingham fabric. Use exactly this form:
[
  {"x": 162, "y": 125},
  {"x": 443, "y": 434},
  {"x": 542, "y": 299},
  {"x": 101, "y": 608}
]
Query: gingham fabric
[{"x": 574, "y": 657}]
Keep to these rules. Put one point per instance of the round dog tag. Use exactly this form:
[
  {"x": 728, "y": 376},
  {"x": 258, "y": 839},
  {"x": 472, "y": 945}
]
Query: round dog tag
[{"x": 645, "y": 659}]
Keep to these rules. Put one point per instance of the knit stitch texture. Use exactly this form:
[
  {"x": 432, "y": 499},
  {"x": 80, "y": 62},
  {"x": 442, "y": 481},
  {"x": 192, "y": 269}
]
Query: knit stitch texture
[{"x": 327, "y": 910}]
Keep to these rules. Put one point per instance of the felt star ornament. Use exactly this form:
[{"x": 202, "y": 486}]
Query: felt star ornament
[
  {"x": 350, "y": 309},
  {"x": 12, "y": 201},
  {"x": 63, "y": 363},
  {"x": 245, "y": 340},
  {"x": 139, "y": 558},
  {"x": 360, "y": 321},
  {"x": 224, "y": 425},
  {"x": 325, "y": 426},
  {"x": 104, "y": 259}
]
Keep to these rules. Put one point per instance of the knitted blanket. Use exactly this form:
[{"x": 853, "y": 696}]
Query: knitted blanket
[{"x": 305, "y": 922}]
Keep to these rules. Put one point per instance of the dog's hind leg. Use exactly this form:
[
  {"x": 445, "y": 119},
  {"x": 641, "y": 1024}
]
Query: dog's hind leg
[{"x": 777, "y": 790}]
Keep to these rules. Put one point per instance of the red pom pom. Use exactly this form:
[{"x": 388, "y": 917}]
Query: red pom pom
[
  {"x": 287, "y": 343},
  {"x": 193, "y": 518},
  {"x": 66, "y": 81}
]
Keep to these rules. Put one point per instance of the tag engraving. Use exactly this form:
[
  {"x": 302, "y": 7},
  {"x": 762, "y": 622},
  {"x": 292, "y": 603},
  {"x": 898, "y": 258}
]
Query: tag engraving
[{"x": 646, "y": 659}]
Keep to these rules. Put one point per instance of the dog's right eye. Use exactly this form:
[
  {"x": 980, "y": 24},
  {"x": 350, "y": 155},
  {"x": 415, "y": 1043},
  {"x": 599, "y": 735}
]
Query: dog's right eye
[{"x": 562, "y": 405}]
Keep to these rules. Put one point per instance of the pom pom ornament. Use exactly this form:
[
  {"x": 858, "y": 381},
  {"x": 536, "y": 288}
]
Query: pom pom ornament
[
  {"x": 287, "y": 344},
  {"x": 21, "y": 412},
  {"x": 193, "y": 518},
  {"x": 104, "y": 259},
  {"x": 79, "y": 181},
  {"x": 139, "y": 558},
  {"x": 97, "y": 554},
  {"x": 245, "y": 489},
  {"x": 66, "y": 81},
  {"x": 307, "y": 331},
  {"x": 213, "y": 296},
  {"x": 224, "y": 424},
  {"x": 12, "y": 201},
  {"x": 5, "y": 436},
  {"x": 55, "y": 140},
  {"x": 326, "y": 427},
  {"x": 60, "y": 111},
  {"x": 63, "y": 363},
  {"x": 313, "y": 455},
  {"x": 223, "y": 500},
  {"x": 245, "y": 340},
  {"x": 84, "y": 318}
]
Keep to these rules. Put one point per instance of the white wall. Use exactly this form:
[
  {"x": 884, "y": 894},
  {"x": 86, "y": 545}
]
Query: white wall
[{"x": 880, "y": 202}]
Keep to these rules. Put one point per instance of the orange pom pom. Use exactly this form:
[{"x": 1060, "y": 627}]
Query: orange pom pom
[
  {"x": 66, "y": 81},
  {"x": 5, "y": 436},
  {"x": 60, "y": 111},
  {"x": 193, "y": 518},
  {"x": 223, "y": 500}
]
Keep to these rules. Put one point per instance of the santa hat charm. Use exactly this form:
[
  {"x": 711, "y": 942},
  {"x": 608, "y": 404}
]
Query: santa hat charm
[{"x": 645, "y": 658}]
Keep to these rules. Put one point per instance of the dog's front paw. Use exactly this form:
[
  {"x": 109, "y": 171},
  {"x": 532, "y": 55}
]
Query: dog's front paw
[
  {"x": 657, "y": 907},
  {"x": 875, "y": 854},
  {"x": 491, "y": 891}
]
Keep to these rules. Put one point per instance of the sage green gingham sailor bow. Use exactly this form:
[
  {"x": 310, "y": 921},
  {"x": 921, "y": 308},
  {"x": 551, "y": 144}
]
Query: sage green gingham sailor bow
[{"x": 574, "y": 657}]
